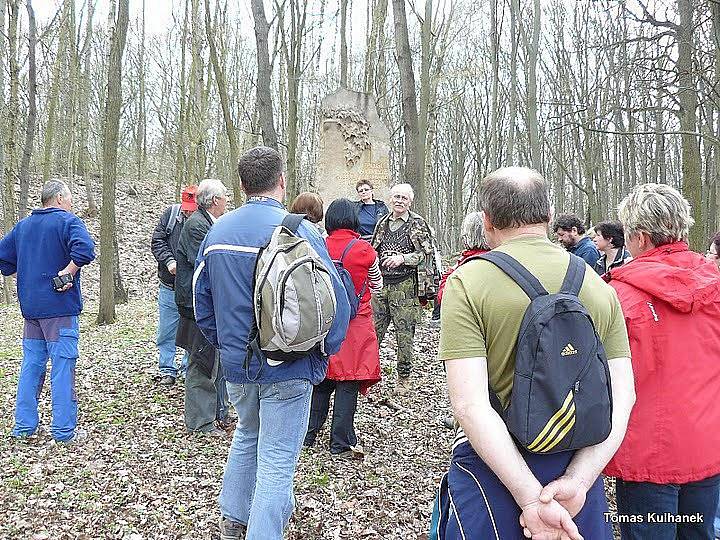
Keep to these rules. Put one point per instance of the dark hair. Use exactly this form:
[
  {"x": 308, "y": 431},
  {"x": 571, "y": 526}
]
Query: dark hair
[
  {"x": 310, "y": 204},
  {"x": 716, "y": 240},
  {"x": 342, "y": 214},
  {"x": 260, "y": 169},
  {"x": 567, "y": 221},
  {"x": 364, "y": 183},
  {"x": 515, "y": 196},
  {"x": 613, "y": 231}
]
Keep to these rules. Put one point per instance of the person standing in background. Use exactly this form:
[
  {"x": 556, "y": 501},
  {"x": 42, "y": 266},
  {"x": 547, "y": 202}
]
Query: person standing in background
[{"x": 164, "y": 247}]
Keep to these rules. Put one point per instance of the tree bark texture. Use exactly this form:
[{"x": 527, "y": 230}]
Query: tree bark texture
[
  {"x": 412, "y": 169},
  {"x": 32, "y": 113},
  {"x": 687, "y": 97},
  {"x": 264, "y": 75},
  {"x": 113, "y": 102}
]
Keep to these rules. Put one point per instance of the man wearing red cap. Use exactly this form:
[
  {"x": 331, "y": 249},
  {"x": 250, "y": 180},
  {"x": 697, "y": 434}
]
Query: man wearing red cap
[{"x": 164, "y": 246}]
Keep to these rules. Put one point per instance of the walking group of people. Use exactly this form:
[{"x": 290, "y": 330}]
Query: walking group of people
[{"x": 556, "y": 373}]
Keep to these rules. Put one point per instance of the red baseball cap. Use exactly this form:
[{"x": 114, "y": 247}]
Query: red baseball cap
[{"x": 189, "y": 203}]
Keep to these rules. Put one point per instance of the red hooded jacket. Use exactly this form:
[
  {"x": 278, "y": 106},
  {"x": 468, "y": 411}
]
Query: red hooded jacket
[
  {"x": 670, "y": 297},
  {"x": 358, "y": 358}
]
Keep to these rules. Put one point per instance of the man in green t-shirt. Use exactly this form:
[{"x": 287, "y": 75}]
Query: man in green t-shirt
[{"x": 495, "y": 487}]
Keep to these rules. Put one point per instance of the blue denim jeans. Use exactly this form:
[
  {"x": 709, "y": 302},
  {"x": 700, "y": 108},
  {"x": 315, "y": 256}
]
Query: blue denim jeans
[
  {"x": 644, "y": 498},
  {"x": 717, "y": 521},
  {"x": 257, "y": 485},
  {"x": 56, "y": 338},
  {"x": 168, "y": 318}
]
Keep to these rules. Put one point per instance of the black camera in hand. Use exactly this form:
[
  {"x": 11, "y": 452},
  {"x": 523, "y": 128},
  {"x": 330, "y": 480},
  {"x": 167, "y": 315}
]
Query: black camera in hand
[{"x": 59, "y": 282}]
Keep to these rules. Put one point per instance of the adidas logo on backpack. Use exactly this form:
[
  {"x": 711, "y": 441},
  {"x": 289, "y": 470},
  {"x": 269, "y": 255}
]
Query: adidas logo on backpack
[
  {"x": 555, "y": 405},
  {"x": 293, "y": 297}
]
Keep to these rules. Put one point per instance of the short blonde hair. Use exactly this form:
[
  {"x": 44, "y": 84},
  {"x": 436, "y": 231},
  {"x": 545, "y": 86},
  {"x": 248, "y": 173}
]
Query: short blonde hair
[
  {"x": 407, "y": 188},
  {"x": 658, "y": 210}
]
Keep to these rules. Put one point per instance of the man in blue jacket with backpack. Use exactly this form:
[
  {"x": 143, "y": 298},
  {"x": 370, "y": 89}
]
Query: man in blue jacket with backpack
[
  {"x": 269, "y": 383},
  {"x": 46, "y": 250}
]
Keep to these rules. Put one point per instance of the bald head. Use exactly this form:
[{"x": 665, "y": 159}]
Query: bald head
[{"x": 514, "y": 197}]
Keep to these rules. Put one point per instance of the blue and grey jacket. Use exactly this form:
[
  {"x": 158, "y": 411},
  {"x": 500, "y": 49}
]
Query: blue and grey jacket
[
  {"x": 585, "y": 249},
  {"x": 37, "y": 248},
  {"x": 222, "y": 289}
]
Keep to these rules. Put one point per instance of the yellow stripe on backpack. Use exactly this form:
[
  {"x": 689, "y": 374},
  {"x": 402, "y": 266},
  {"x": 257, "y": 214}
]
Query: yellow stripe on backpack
[{"x": 556, "y": 422}]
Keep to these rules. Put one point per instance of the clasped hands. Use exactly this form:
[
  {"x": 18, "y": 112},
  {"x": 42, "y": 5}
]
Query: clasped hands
[{"x": 549, "y": 517}]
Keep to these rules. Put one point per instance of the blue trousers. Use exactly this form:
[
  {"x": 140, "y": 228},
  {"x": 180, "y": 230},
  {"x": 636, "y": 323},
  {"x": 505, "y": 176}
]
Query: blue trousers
[
  {"x": 55, "y": 338},
  {"x": 257, "y": 485},
  {"x": 475, "y": 504},
  {"x": 168, "y": 318},
  {"x": 653, "y": 501}
]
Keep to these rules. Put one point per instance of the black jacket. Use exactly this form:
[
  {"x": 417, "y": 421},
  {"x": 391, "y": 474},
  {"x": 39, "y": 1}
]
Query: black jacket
[
  {"x": 164, "y": 246},
  {"x": 192, "y": 235}
]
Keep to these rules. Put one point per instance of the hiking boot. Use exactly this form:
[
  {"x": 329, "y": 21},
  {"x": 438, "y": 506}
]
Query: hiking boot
[
  {"x": 166, "y": 380},
  {"x": 78, "y": 436},
  {"x": 448, "y": 422},
  {"x": 214, "y": 432},
  {"x": 354, "y": 453},
  {"x": 231, "y": 530},
  {"x": 403, "y": 386}
]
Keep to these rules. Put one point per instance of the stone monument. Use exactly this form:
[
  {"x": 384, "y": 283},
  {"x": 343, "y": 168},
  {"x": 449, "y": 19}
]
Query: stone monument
[{"x": 354, "y": 145}]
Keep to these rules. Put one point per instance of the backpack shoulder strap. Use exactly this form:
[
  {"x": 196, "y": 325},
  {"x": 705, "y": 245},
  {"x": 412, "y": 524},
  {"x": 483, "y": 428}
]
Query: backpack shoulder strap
[
  {"x": 172, "y": 221},
  {"x": 292, "y": 222},
  {"x": 515, "y": 271},
  {"x": 574, "y": 277},
  {"x": 347, "y": 248}
]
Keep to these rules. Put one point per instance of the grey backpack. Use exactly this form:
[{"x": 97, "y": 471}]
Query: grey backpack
[
  {"x": 561, "y": 397},
  {"x": 293, "y": 297}
]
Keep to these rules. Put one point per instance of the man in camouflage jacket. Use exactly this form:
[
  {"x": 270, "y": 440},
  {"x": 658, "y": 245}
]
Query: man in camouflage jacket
[{"x": 405, "y": 249}]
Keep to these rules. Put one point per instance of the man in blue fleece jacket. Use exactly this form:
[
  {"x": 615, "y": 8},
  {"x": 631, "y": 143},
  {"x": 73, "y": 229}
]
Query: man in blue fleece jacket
[
  {"x": 51, "y": 242},
  {"x": 272, "y": 401}
]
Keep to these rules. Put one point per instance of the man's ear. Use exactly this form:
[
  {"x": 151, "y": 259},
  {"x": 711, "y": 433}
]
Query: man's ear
[
  {"x": 487, "y": 224},
  {"x": 282, "y": 181}
]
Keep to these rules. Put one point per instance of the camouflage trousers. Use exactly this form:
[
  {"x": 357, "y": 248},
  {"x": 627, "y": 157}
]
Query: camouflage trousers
[{"x": 398, "y": 303}]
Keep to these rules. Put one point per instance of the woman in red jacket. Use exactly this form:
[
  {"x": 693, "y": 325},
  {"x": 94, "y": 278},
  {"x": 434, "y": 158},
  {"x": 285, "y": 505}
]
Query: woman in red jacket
[
  {"x": 668, "y": 465},
  {"x": 356, "y": 366}
]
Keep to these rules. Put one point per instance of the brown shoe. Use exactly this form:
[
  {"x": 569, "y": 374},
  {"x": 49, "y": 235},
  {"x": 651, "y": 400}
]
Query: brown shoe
[{"x": 403, "y": 386}]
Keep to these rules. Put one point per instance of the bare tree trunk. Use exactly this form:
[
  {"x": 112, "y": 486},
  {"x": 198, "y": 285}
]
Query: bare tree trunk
[
  {"x": 8, "y": 218},
  {"x": 514, "y": 36},
  {"x": 343, "y": 45},
  {"x": 687, "y": 97},
  {"x": 12, "y": 117},
  {"x": 106, "y": 313},
  {"x": 413, "y": 169},
  {"x": 373, "y": 51},
  {"x": 84, "y": 164},
  {"x": 180, "y": 143},
  {"x": 225, "y": 104},
  {"x": 494, "y": 98},
  {"x": 533, "y": 131},
  {"x": 264, "y": 75},
  {"x": 32, "y": 113},
  {"x": 54, "y": 95}
]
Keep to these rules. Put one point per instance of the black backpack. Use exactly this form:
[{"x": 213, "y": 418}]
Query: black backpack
[
  {"x": 353, "y": 297},
  {"x": 561, "y": 397}
]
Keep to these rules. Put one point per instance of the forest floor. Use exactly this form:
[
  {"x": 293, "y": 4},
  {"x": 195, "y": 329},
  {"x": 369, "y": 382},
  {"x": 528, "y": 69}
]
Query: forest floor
[{"x": 139, "y": 475}]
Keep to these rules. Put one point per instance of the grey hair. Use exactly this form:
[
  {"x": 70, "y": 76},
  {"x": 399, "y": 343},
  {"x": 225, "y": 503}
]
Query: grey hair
[
  {"x": 51, "y": 189},
  {"x": 208, "y": 190},
  {"x": 515, "y": 196},
  {"x": 659, "y": 210},
  {"x": 473, "y": 231},
  {"x": 407, "y": 188}
]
